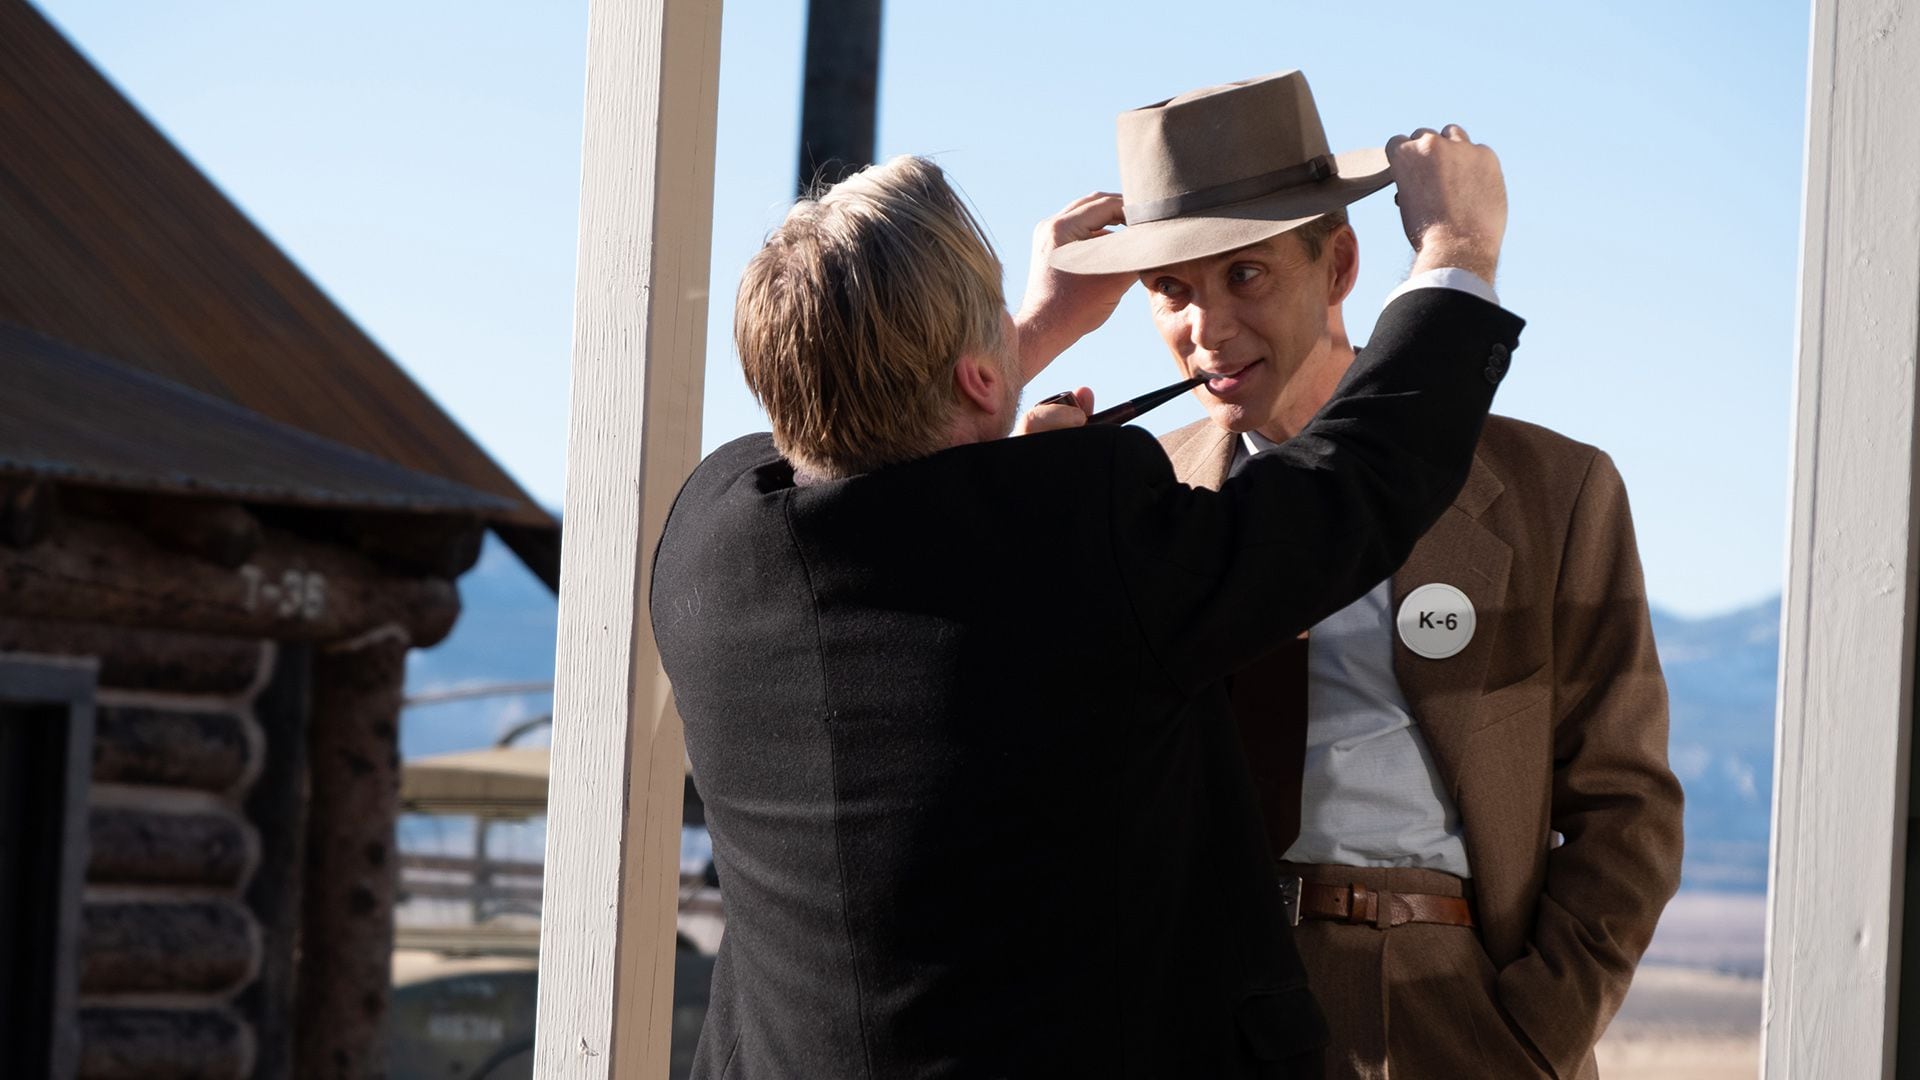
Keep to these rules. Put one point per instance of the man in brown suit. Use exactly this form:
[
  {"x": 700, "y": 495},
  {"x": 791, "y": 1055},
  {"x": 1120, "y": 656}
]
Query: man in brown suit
[{"x": 1464, "y": 774}]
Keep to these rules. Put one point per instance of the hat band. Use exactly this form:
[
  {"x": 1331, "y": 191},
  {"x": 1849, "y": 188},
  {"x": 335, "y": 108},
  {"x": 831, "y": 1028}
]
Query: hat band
[{"x": 1311, "y": 171}]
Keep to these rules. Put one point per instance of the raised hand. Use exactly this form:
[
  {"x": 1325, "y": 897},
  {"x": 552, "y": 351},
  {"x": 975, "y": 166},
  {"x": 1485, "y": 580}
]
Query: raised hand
[
  {"x": 1453, "y": 199},
  {"x": 1060, "y": 308}
]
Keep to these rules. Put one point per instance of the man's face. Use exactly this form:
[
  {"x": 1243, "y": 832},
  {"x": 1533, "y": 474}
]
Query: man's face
[{"x": 1255, "y": 317}]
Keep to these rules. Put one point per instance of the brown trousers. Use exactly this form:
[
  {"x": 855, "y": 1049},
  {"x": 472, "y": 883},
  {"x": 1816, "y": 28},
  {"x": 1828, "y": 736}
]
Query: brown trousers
[{"x": 1415, "y": 1002}]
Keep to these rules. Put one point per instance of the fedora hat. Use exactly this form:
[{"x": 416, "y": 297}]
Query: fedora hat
[{"x": 1217, "y": 169}]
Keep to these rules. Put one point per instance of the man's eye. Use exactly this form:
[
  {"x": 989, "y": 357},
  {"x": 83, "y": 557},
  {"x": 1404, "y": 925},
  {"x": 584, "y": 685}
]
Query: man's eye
[
  {"x": 1168, "y": 287},
  {"x": 1240, "y": 275}
]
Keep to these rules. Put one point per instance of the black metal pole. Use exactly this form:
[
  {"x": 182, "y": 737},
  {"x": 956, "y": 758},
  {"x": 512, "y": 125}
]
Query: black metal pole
[{"x": 839, "y": 95}]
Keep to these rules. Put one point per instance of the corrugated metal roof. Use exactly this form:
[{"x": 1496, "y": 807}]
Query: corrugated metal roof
[
  {"x": 113, "y": 242},
  {"x": 72, "y": 416}
]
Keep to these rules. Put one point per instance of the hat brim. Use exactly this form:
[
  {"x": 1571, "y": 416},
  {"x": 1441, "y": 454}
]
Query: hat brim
[{"x": 1225, "y": 228}]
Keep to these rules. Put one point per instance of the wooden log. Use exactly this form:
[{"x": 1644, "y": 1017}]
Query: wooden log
[
  {"x": 132, "y": 846},
  {"x": 351, "y": 873},
  {"x": 163, "y": 1044},
  {"x": 29, "y": 510},
  {"x": 442, "y": 546},
  {"x": 218, "y": 531},
  {"x": 154, "y": 947},
  {"x": 277, "y": 808},
  {"x": 208, "y": 751},
  {"x": 93, "y": 570},
  {"x": 132, "y": 659},
  {"x": 224, "y": 534}
]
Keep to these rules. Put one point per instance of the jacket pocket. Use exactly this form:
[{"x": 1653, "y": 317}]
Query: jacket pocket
[
  {"x": 1521, "y": 696},
  {"x": 1279, "y": 1024}
]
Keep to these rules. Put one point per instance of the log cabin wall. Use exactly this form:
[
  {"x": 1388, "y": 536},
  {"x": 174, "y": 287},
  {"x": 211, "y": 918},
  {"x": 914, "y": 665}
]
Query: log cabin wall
[{"x": 169, "y": 940}]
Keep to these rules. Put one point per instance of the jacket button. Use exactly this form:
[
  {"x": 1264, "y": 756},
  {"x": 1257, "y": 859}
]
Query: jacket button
[{"x": 1498, "y": 361}]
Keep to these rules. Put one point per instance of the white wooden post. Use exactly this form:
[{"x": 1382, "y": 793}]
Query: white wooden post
[
  {"x": 1847, "y": 650},
  {"x": 639, "y": 350}
]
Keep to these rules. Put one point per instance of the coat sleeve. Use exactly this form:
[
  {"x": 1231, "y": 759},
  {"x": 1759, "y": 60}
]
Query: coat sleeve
[
  {"x": 1217, "y": 579},
  {"x": 1615, "y": 801}
]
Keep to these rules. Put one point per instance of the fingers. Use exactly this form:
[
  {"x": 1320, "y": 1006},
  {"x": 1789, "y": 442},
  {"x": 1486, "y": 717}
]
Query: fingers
[
  {"x": 1452, "y": 133},
  {"x": 1090, "y": 197},
  {"x": 1068, "y": 409},
  {"x": 1087, "y": 216}
]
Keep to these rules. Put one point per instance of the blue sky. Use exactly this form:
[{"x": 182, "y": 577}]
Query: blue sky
[{"x": 421, "y": 161}]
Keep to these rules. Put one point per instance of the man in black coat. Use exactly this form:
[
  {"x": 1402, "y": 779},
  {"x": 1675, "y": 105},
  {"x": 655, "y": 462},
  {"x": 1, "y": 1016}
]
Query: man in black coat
[{"x": 953, "y": 700}]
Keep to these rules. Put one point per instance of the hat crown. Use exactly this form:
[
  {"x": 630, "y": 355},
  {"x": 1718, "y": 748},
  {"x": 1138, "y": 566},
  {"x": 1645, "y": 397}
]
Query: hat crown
[{"x": 1218, "y": 136}]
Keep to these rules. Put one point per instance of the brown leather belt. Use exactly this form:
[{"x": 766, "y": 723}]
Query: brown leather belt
[{"x": 1362, "y": 906}]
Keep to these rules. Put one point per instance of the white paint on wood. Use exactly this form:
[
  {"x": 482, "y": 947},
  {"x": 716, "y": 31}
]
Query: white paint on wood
[
  {"x": 613, "y": 825},
  {"x": 1847, "y": 647}
]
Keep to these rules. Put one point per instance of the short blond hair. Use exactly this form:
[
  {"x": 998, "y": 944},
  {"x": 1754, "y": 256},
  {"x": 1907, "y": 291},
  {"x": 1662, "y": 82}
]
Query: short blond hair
[{"x": 850, "y": 320}]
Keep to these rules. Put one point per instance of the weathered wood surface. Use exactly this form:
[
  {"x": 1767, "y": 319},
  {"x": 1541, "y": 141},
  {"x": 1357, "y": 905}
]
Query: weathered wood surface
[
  {"x": 91, "y": 570},
  {"x": 134, "y": 744},
  {"x": 132, "y": 659},
  {"x": 221, "y": 533},
  {"x": 438, "y": 546},
  {"x": 1847, "y": 648},
  {"x": 218, "y": 531},
  {"x": 128, "y": 845},
  {"x": 163, "y": 1044},
  {"x": 29, "y": 510},
  {"x": 351, "y": 871},
  {"x": 166, "y": 947},
  {"x": 640, "y": 313}
]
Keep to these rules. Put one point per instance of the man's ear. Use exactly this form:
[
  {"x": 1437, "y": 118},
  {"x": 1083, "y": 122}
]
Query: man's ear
[
  {"x": 1343, "y": 252},
  {"x": 978, "y": 378}
]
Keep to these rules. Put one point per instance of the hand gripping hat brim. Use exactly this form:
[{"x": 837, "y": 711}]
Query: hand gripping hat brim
[{"x": 1220, "y": 168}]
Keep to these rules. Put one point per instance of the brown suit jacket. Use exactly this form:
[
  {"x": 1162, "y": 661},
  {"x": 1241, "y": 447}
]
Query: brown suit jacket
[{"x": 1549, "y": 729}]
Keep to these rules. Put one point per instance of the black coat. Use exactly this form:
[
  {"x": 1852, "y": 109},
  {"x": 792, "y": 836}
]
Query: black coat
[{"x": 976, "y": 801}]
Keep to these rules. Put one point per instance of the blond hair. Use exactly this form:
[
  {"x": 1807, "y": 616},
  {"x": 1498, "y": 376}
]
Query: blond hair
[{"x": 850, "y": 320}]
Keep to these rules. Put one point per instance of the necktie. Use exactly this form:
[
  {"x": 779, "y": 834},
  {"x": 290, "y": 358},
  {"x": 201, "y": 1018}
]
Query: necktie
[{"x": 1269, "y": 701}]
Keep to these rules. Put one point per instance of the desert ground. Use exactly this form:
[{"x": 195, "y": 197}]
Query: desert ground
[{"x": 1694, "y": 1011}]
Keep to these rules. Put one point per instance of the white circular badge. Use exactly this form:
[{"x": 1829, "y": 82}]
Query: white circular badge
[{"x": 1436, "y": 621}]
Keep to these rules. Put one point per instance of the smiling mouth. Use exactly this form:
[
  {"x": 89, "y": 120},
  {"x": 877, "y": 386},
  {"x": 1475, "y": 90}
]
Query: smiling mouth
[{"x": 1221, "y": 384}]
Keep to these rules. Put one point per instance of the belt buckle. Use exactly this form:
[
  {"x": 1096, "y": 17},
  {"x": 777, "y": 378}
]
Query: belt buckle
[{"x": 1290, "y": 898}]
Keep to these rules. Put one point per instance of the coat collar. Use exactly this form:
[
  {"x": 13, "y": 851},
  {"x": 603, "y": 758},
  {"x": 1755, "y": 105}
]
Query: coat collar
[{"x": 1202, "y": 454}]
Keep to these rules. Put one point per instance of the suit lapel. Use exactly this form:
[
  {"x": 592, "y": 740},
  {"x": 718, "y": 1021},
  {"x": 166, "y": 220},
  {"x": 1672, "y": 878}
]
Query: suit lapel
[
  {"x": 1461, "y": 552},
  {"x": 1204, "y": 459}
]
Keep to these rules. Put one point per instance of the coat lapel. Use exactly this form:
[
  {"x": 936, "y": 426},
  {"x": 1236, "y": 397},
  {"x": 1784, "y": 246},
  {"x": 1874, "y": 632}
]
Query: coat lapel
[
  {"x": 1462, "y": 552},
  {"x": 1203, "y": 457}
]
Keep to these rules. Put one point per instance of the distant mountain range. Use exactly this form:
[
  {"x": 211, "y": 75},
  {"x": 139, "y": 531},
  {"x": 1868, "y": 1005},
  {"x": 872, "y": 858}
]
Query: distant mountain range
[{"x": 1720, "y": 676}]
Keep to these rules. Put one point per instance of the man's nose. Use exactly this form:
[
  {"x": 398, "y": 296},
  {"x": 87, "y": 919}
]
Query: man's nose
[{"x": 1211, "y": 327}]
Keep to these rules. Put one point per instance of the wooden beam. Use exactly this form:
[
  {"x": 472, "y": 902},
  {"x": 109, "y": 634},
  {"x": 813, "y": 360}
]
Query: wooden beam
[
  {"x": 93, "y": 570},
  {"x": 194, "y": 947},
  {"x": 29, "y": 510},
  {"x": 175, "y": 661},
  {"x": 351, "y": 875},
  {"x": 646, "y": 207},
  {"x": 1847, "y": 650}
]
